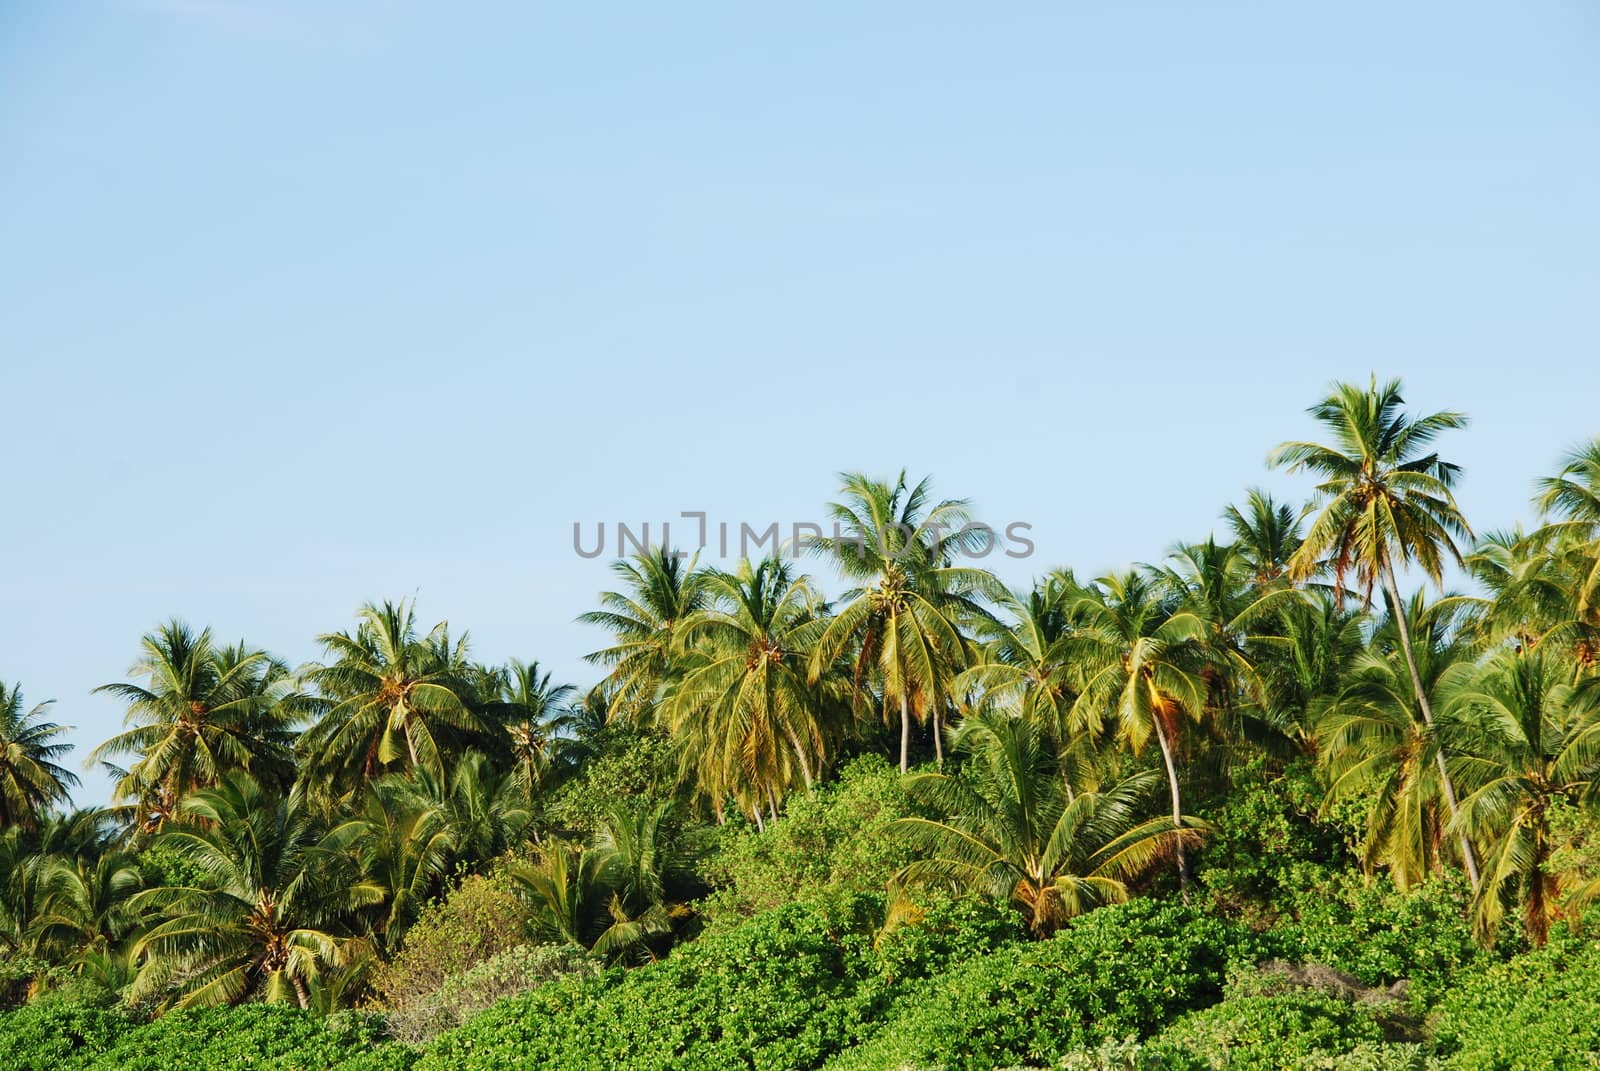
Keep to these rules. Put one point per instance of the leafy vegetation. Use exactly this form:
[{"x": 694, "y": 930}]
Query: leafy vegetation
[{"x": 1252, "y": 806}]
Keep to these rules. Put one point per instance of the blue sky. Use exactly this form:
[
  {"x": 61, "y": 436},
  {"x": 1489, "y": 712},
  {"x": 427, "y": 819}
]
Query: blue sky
[{"x": 308, "y": 304}]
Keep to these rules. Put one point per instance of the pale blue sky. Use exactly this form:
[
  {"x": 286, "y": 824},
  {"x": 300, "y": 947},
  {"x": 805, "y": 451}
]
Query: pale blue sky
[{"x": 308, "y": 304}]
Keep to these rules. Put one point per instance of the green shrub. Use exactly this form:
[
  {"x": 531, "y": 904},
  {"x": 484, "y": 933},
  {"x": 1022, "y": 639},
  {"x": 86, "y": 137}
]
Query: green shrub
[
  {"x": 477, "y": 920},
  {"x": 828, "y": 844},
  {"x": 1379, "y": 934},
  {"x": 785, "y": 990},
  {"x": 1265, "y": 1034},
  {"x": 461, "y": 996},
  {"x": 1116, "y": 972},
  {"x": 1537, "y": 1012},
  {"x": 56, "y": 1035}
]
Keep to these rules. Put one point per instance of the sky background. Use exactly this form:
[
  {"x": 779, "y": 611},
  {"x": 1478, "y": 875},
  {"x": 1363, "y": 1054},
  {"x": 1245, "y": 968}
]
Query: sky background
[{"x": 303, "y": 305}]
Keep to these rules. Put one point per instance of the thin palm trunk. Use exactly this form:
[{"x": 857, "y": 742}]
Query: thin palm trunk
[
  {"x": 1177, "y": 805},
  {"x": 905, "y": 734},
  {"x": 300, "y": 993},
  {"x": 1427, "y": 715},
  {"x": 938, "y": 738},
  {"x": 800, "y": 753}
]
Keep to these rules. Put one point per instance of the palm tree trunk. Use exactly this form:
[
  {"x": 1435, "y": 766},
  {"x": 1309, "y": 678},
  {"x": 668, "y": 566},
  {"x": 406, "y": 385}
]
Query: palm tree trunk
[
  {"x": 300, "y": 993},
  {"x": 1393, "y": 591},
  {"x": 905, "y": 734},
  {"x": 799, "y": 753},
  {"x": 938, "y": 737},
  {"x": 1177, "y": 804}
]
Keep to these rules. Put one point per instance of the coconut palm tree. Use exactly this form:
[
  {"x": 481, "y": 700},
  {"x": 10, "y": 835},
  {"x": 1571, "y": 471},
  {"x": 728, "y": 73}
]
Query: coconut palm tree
[
  {"x": 747, "y": 721},
  {"x": 264, "y": 921},
  {"x": 536, "y": 714},
  {"x": 904, "y": 620},
  {"x": 30, "y": 779},
  {"x": 1383, "y": 504},
  {"x": 394, "y": 700},
  {"x": 1266, "y": 535},
  {"x": 88, "y": 908},
  {"x": 1378, "y": 748},
  {"x": 201, "y": 712},
  {"x": 615, "y": 897},
  {"x": 1570, "y": 502},
  {"x": 1144, "y": 662},
  {"x": 402, "y": 846},
  {"x": 1008, "y": 828},
  {"x": 659, "y": 591},
  {"x": 1022, "y": 662},
  {"x": 1528, "y": 741}
]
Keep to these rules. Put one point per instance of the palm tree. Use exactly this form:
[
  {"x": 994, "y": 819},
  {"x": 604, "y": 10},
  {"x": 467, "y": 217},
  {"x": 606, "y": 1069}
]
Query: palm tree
[
  {"x": 30, "y": 780},
  {"x": 1529, "y": 741},
  {"x": 1010, "y": 829},
  {"x": 402, "y": 846},
  {"x": 1266, "y": 534},
  {"x": 395, "y": 700},
  {"x": 615, "y": 897},
  {"x": 1383, "y": 504},
  {"x": 263, "y": 921},
  {"x": 1304, "y": 655},
  {"x": 1023, "y": 664},
  {"x": 659, "y": 591},
  {"x": 536, "y": 715},
  {"x": 1377, "y": 747},
  {"x": 904, "y": 620},
  {"x": 1143, "y": 660},
  {"x": 743, "y": 713},
  {"x": 202, "y": 711},
  {"x": 88, "y": 908},
  {"x": 1570, "y": 501}
]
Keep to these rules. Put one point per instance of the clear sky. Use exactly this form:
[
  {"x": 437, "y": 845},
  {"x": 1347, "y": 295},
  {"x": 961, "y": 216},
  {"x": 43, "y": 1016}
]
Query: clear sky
[{"x": 308, "y": 304}]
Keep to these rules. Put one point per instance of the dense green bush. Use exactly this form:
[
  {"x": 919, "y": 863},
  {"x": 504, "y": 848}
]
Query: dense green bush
[
  {"x": 785, "y": 990},
  {"x": 258, "y": 1037},
  {"x": 1537, "y": 1012},
  {"x": 477, "y": 920},
  {"x": 1116, "y": 972},
  {"x": 1265, "y": 1034},
  {"x": 827, "y": 844},
  {"x": 1380, "y": 934}
]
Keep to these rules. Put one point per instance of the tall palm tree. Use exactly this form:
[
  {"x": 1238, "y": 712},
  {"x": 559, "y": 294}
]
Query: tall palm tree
[
  {"x": 30, "y": 779},
  {"x": 1377, "y": 747},
  {"x": 1383, "y": 504},
  {"x": 745, "y": 717},
  {"x": 904, "y": 621},
  {"x": 1009, "y": 828},
  {"x": 394, "y": 699},
  {"x": 1529, "y": 740},
  {"x": 659, "y": 591},
  {"x": 1143, "y": 660},
  {"x": 263, "y": 922},
  {"x": 201, "y": 711}
]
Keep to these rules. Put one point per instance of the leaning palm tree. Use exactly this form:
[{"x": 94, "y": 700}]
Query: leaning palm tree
[
  {"x": 1529, "y": 742},
  {"x": 1379, "y": 751},
  {"x": 904, "y": 621},
  {"x": 263, "y": 922},
  {"x": 201, "y": 711},
  {"x": 1383, "y": 505},
  {"x": 1008, "y": 827},
  {"x": 1144, "y": 663},
  {"x": 659, "y": 591},
  {"x": 744, "y": 716},
  {"x": 394, "y": 700},
  {"x": 30, "y": 779}
]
